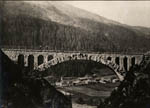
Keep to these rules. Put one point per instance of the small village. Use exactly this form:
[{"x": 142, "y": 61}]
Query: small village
[{"x": 78, "y": 81}]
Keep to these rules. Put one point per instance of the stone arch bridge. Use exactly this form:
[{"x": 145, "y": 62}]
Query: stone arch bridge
[{"x": 41, "y": 60}]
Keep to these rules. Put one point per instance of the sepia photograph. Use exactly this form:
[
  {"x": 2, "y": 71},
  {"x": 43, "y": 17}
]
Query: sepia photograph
[{"x": 74, "y": 54}]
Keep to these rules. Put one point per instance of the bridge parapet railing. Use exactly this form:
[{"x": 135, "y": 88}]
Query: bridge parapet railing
[{"x": 66, "y": 51}]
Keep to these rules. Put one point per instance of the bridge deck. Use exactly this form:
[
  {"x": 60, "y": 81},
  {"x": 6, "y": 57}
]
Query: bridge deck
[{"x": 62, "y": 51}]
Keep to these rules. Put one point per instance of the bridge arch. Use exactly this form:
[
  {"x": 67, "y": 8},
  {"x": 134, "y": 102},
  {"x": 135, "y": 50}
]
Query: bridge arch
[
  {"x": 117, "y": 60},
  {"x": 109, "y": 58},
  {"x": 30, "y": 62},
  {"x": 50, "y": 57},
  {"x": 40, "y": 59},
  {"x": 125, "y": 63},
  {"x": 97, "y": 58},
  {"x": 133, "y": 61},
  {"x": 21, "y": 60}
]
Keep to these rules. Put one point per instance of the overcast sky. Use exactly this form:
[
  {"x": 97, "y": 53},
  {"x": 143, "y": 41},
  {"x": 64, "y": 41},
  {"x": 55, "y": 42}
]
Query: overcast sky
[{"x": 136, "y": 13}]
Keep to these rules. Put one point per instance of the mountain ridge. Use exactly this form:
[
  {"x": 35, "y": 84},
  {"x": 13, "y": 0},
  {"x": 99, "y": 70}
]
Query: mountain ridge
[{"x": 122, "y": 37}]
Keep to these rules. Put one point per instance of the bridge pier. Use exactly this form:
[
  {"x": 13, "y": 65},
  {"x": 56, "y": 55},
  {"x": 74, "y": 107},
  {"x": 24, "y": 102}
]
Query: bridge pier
[
  {"x": 138, "y": 60},
  {"x": 45, "y": 58},
  {"x": 35, "y": 61},
  {"x": 113, "y": 60},
  {"x": 129, "y": 63},
  {"x": 25, "y": 60},
  {"x": 121, "y": 63}
]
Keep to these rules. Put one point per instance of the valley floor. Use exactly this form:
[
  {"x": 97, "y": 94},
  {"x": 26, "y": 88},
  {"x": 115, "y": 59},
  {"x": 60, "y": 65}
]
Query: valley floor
[
  {"x": 75, "y": 105},
  {"x": 88, "y": 96}
]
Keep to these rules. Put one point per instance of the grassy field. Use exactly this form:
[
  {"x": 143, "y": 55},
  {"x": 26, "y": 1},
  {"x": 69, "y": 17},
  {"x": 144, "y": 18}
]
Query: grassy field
[
  {"x": 91, "y": 94},
  {"x": 75, "y": 105}
]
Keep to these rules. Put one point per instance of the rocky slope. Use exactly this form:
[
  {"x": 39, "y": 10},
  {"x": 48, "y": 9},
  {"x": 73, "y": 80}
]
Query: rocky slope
[
  {"x": 133, "y": 92},
  {"x": 57, "y": 26},
  {"x": 19, "y": 91}
]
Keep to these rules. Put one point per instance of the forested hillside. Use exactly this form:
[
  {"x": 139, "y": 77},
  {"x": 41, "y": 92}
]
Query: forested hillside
[
  {"x": 49, "y": 25},
  {"x": 27, "y": 32}
]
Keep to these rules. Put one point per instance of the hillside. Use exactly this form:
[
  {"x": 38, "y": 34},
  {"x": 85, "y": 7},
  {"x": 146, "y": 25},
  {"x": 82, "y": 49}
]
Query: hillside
[
  {"x": 58, "y": 26},
  {"x": 18, "y": 91},
  {"x": 133, "y": 91}
]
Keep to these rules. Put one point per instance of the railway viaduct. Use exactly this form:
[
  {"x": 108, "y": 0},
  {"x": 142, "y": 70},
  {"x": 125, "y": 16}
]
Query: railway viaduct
[{"x": 43, "y": 59}]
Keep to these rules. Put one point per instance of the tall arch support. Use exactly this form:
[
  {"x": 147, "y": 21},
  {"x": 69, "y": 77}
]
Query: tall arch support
[{"x": 62, "y": 59}]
